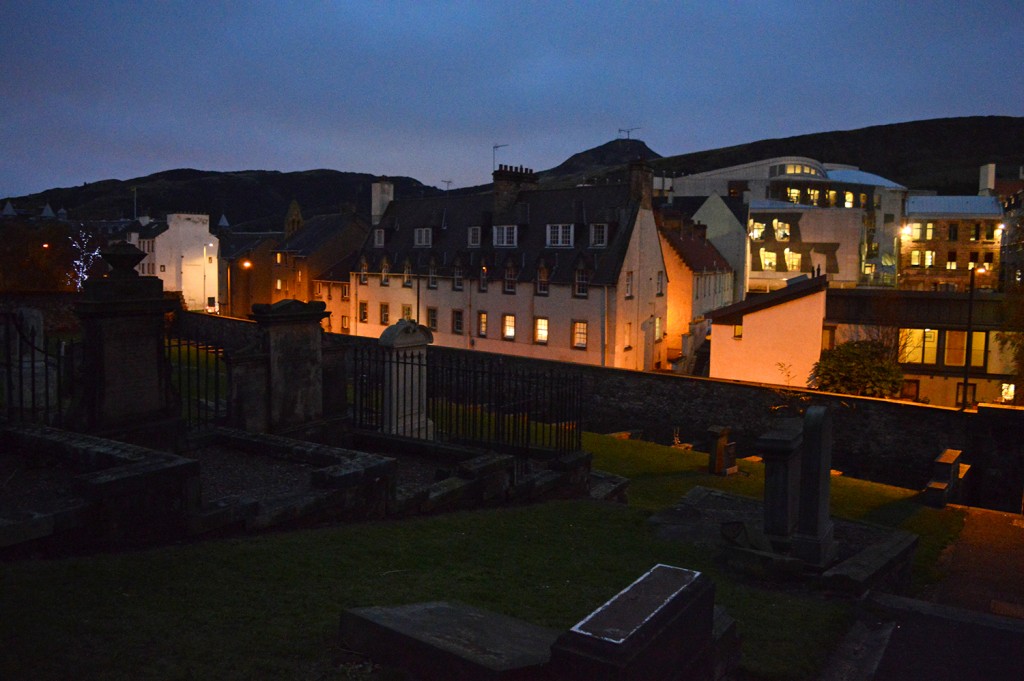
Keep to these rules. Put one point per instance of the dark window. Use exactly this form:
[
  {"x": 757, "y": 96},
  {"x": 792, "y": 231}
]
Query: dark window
[{"x": 954, "y": 231}]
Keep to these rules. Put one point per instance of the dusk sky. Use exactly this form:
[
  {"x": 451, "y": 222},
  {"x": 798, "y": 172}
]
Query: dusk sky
[{"x": 101, "y": 90}]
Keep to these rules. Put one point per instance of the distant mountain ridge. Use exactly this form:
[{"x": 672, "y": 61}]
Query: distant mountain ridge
[{"x": 941, "y": 154}]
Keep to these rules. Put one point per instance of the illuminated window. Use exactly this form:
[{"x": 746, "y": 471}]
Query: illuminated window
[
  {"x": 918, "y": 346},
  {"x": 543, "y": 282},
  {"x": 848, "y": 199},
  {"x": 832, "y": 197},
  {"x": 737, "y": 331},
  {"x": 813, "y": 196},
  {"x": 598, "y": 235},
  {"x": 976, "y": 232},
  {"x": 481, "y": 324},
  {"x": 757, "y": 230},
  {"x": 510, "y": 279},
  {"x": 951, "y": 260},
  {"x": 482, "y": 283},
  {"x": 657, "y": 329},
  {"x": 929, "y": 258},
  {"x": 422, "y": 237},
  {"x": 579, "y": 335},
  {"x": 505, "y": 236},
  {"x": 915, "y": 258},
  {"x": 792, "y": 261},
  {"x": 540, "y": 330},
  {"x": 508, "y": 326},
  {"x": 956, "y": 348},
  {"x": 278, "y": 258},
  {"x": 473, "y": 237},
  {"x": 793, "y": 194},
  {"x": 769, "y": 260},
  {"x": 781, "y": 230},
  {"x": 1006, "y": 392},
  {"x": 581, "y": 283},
  {"x": 560, "y": 236},
  {"x": 278, "y": 284}
]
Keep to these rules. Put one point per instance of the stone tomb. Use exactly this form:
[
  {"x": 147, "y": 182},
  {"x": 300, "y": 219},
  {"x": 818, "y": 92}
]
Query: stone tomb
[{"x": 658, "y": 628}]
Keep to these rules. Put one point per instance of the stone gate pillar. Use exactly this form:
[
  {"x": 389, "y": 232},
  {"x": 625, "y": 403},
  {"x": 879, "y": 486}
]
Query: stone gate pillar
[
  {"x": 126, "y": 383},
  {"x": 292, "y": 342},
  {"x": 405, "y": 379}
]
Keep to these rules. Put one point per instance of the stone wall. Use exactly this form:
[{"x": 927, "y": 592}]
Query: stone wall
[{"x": 225, "y": 332}]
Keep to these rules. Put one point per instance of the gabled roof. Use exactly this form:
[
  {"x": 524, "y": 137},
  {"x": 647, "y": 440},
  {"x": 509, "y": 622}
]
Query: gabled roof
[
  {"x": 699, "y": 254},
  {"x": 954, "y": 206},
  {"x": 317, "y": 230},
  {"x": 449, "y": 218},
  {"x": 798, "y": 288},
  {"x": 690, "y": 205}
]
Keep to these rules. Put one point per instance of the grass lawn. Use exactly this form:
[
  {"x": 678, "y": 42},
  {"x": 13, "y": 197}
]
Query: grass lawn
[{"x": 267, "y": 607}]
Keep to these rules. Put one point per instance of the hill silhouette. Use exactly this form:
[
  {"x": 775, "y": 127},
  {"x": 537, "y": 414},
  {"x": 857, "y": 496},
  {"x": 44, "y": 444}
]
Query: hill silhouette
[{"x": 941, "y": 154}]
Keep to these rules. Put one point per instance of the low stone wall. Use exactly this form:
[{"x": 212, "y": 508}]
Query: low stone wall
[{"x": 225, "y": 332}]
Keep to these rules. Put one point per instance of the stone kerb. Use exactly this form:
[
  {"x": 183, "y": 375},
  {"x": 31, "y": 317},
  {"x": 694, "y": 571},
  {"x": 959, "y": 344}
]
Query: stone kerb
[{"x": 405, "y": 380}]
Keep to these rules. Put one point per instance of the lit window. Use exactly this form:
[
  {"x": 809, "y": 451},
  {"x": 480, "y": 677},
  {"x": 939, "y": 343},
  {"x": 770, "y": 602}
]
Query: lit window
[
  {"x": 560, "y": 236},
  {"x": 951, "y": 260},
  {"x": 508, "y": 326},
  {"x": 781, "y": 230},
  {"x": 792, "y": 261},
  {"x": 385, "y": 314},
  {"x": 598, "y": 235},
  {"x": 657, "y": 329},
  {"x": 629, "y": 284},
  {"x": 542, "y": 281},
  {"x": 457, "y": 322},
  {"x": 278, "y": 284},
  {"x": 432, "y": 318},
  {"x": 769, "y": 259},
  {"x": 915, "y": 258},
  {"x": 581, "y": 283},
  {"x": 277, "y": 256},
  {"x": 540, "y": 330},
  {"x": 976, "y": 232},
  {"x": 813, "y": 195},
  {"x": 481, "y": 324},
  {"x": 422, "y": 237},
  {"x": 483, "y": 280},
  {"x": 579, "y": 335},
  {"x": 737, "y": 331},
  {"x": 505, "y": 236},
  {"x": 956, "y": 348},
  {"x": 929, "y": 258},
  {"x": 848, "y": 199},
  {"x": 1007, "y": 391},
  {"x": 378, "y": 238},
  {"x": 473, "y": 237},
  {"x": 793, "y": 194},
  {"x": 757, "y": 230},
  {"x": 918, "y": 346},
  {"x": 510, "y": 279},
  {"x": 832, "y": 197}
]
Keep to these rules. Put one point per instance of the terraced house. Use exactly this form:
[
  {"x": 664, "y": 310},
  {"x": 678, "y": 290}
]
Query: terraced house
[{"x": 571, "y": 274}]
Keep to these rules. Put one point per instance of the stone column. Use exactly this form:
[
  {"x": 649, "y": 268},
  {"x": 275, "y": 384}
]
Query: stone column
[
  {"x": 405, "y": 380},
  {"x": 780, "y": 448},
  {"x": 721, "y": 455},
  {"x": 813, "y": 541},
  {"x": 292, "y": 341},
  {"x": 126, "y": 383}
]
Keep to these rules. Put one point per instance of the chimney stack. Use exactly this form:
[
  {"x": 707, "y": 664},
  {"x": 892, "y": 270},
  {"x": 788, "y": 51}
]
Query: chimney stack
[
  {"x": 987, "y": 180},
  {"x": 382, "y": 192},
  {"x": 508, "y": 182},
  {"x": 641, "y": 183}
]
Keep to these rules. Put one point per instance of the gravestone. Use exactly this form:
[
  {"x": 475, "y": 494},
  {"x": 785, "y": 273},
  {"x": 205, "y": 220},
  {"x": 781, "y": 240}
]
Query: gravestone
[
  {"x": 813, "y": 541},
  {"x": 721, "y": 452},
  {"x": 126, "y": 375},
  {"x": 405, "y": 379},
  {"x": 781, "y": 448}
]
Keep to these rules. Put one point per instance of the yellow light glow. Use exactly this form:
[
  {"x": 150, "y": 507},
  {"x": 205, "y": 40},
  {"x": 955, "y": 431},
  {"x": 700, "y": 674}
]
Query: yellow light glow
[
  {"x": 906, "y": 230},
  {"x": 246, "y": 264}
]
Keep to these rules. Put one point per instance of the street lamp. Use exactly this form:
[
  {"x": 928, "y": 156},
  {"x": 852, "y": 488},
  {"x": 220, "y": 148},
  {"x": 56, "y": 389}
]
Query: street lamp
[{"x": 970, "y": 332}]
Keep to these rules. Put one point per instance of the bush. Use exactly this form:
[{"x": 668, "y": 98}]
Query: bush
[{"x": 858, "y": 368}]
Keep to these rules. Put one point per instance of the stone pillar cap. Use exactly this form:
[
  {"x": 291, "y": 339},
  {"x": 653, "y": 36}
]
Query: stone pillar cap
[
  {"x": 289, "y": 310},
  {"x": 406, "y": 334}
]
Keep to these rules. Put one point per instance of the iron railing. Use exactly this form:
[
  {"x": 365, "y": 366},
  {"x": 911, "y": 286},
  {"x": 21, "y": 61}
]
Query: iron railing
[
  {"x": 470, "y": 400},
  {"x": 199, "y": 376},
  {"x": 39, "y": 376}
]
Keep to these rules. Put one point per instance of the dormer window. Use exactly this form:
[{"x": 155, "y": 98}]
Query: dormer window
[
  {"x": 543, "y": 281},
  {"x": 505, "y": 236},
  {"x": 385, "y": 274},
  {"x": 598, "y": 235},
  {"x": 510, "y": 279},
  {"x": 363, "y": 269},
  {"x": 407, "y": 275},
  {"x": 378, "y": 238},
  {"x": 473, "y": 237},
  {"x": 422, "y": 237},
  {"x": 483, "y": 279},
  {"x": 560, "y": 236}
]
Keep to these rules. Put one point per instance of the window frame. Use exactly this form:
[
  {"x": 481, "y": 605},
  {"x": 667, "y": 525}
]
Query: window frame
[
  {"x": 599, "y": 235},
  {"x": 575, "y": 334},
  {"x": 560, "y": 235},
  {"x": 458, "y": 322},
  {"x": 505, "y": 236},
  {"x": 423, "y": 237},
  {"x": 541, "y": 330},
  {"x": 580, "y": 283},
  {"x": 508, "y": 322},
  {"x": 473, "y": 236},
  {"x": 385, "y": 314},
  {"x": 481, "y": 323}
]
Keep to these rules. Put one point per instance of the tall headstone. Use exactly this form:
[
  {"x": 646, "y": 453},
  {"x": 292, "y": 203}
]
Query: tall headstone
[
  {"x": 126, "y": 383},
  {"x": 721, "y": 452},
  {"x": 781, "y": 448},
  {"x": 813, "y": 541},
  {"x": 405, "y": 379},
  {"x": 292, "y": 341}
]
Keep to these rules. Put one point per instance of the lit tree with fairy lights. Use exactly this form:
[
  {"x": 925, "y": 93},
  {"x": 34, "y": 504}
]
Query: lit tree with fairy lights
[{"x": 86, "y": 253}]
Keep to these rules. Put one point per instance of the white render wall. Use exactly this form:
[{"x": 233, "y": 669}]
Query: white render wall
[{"x": 185, "y": 258}]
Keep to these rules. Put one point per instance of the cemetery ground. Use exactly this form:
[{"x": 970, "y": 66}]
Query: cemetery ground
[{"x": 268, "y": 606}]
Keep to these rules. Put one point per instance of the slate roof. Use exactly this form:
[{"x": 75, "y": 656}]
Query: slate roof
[
  {"x": 954, "y": 206},
  {"x": 733, "y": 314},
  {"x": 853, "y": 176},
  {"x": 449, "y": 219},
  {"x": 689, "y": 205},
  {"x": 315, "y": 231},
  {"x": 150, "y": 230},
  {"x": 233, "y": 245}
]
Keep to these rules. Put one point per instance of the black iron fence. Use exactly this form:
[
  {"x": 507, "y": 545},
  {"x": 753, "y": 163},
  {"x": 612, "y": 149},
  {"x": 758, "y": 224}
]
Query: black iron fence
[
  {"x": 199, "y": 376},
  {"x": 471, "y": 400},
  {"x": 39, "y": 376}
]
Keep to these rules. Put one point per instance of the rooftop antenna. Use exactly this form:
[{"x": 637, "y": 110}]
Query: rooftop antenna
[
  {"x": 494, "y": 155},
  {"x": 627, "y": 131},
  {"x": 447, "y": 185}
]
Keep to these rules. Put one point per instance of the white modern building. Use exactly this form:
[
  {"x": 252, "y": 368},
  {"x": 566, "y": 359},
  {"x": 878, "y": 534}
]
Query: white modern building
[{"x": 183, "y": 253}]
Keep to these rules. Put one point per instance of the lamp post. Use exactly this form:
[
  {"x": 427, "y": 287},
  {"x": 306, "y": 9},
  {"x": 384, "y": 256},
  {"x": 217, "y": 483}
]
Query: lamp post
[{"x": 970, "y": 320}]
